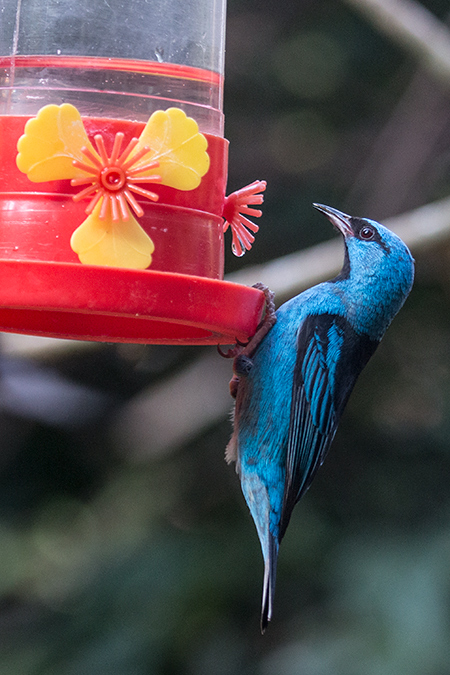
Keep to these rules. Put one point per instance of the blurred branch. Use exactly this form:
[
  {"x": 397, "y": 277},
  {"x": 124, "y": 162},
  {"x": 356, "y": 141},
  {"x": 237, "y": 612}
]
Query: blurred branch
[
  {"x": 415, "y": 28},
  {"x": 35, "y": 346},
  {"x": 147, "y": 427},
  {"x": 172, "y": 413},
  {"x": 405, "y": 160},
  {"x": 291, "y": 274}
]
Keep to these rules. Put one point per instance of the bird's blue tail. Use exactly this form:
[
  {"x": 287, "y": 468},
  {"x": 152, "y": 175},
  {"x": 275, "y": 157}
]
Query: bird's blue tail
[{"x": 270, "y": 575}]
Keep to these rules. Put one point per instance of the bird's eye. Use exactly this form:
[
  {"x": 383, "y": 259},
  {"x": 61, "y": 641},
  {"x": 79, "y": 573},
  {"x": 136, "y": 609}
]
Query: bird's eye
[{"x": 367, "y": 232}]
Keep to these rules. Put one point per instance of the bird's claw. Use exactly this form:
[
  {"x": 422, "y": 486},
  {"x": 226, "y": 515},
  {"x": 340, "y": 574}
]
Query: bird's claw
[
  {"x": 247, "y": 349},
  {"x": 234, "y": 351},
  {"x": 267, "y": 322},
  {"x": 262, "y": 329}
]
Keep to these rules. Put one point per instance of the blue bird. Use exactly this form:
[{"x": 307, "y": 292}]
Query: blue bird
[{"x": 293, "y": 380}]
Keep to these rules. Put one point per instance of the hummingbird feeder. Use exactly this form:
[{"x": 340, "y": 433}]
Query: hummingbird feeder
[{"x": 113, "y": 170}]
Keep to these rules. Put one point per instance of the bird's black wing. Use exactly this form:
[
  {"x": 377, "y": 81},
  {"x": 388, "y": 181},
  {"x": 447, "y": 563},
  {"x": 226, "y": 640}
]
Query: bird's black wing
[{"x": 330, "y": 356}]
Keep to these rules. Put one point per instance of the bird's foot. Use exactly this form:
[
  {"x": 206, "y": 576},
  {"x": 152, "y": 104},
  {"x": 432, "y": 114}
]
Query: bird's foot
[
  {"x": 235, "y": 351},
  {"x": 242, "y": 365},
  {"x": 263, "y": 328},
  {"x": 243, "y": 351},
  {"x": 266, "y": 324}
]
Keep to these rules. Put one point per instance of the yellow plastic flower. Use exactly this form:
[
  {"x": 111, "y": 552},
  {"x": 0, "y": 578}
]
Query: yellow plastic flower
[{"x": 170, "y": 151}]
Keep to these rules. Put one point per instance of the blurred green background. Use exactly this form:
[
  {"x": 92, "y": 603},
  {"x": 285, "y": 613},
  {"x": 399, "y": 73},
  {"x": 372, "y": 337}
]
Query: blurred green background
[{"x": 125, "y": 543}]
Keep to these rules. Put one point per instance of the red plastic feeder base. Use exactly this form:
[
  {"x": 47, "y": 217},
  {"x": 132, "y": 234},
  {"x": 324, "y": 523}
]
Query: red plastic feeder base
[
  {"x": 181, "y": 299},
  {"x": 104, "y": 304}
]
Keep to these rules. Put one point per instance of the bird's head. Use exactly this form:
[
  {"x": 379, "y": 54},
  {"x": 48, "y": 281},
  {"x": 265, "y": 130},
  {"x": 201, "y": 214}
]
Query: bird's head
[{"x": 376, "y": 260}]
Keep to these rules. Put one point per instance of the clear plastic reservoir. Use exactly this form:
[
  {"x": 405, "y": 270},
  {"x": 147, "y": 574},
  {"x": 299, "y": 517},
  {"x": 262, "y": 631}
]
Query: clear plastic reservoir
[{"x": 114, "y": 58}]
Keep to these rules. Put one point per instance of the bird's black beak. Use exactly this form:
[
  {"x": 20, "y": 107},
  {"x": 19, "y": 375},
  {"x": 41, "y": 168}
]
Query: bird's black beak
[{"x": 340, "y": 220}]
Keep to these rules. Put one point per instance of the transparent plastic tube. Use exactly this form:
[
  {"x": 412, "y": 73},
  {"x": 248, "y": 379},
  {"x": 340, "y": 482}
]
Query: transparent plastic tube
[{"x": 114, "y": 58}]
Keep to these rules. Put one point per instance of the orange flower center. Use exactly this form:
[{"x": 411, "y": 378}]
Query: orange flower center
[{"x": 113, "y": 178}]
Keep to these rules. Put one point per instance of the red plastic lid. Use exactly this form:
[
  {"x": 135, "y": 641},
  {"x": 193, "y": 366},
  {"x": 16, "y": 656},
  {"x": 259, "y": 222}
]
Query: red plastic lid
[{"x": 85, "y": 302}]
